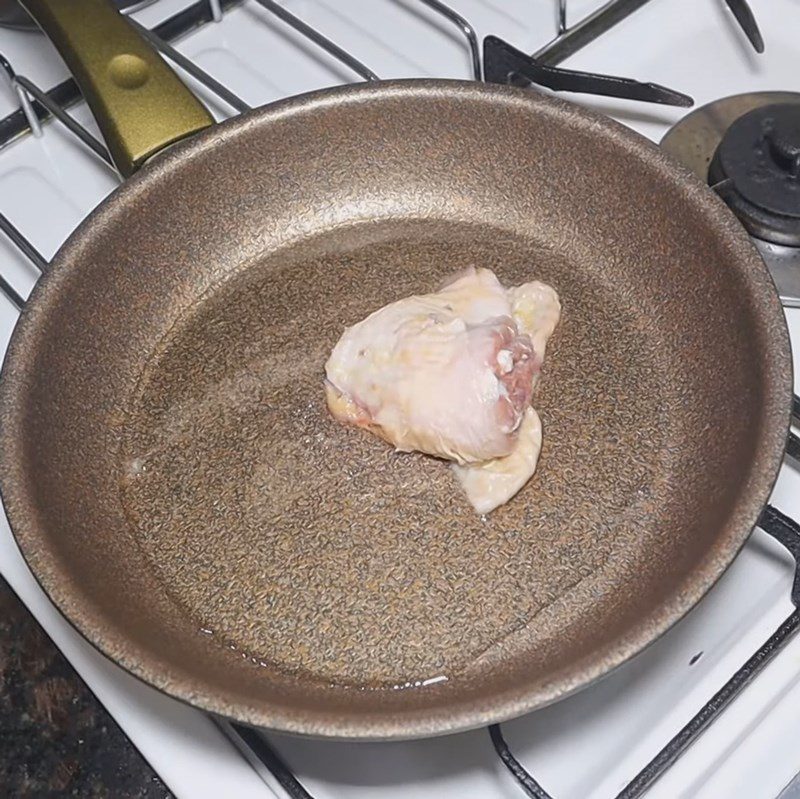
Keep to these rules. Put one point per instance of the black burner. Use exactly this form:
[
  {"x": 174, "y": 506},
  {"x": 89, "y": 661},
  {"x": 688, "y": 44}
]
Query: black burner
[{"x": 757, "y": 167}]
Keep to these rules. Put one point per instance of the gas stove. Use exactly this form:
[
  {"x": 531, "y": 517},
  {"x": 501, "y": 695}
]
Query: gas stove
[{"x": 709, "y": 710}]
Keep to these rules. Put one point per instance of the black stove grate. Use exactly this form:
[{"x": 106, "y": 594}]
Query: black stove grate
[{"x": 502, "y": 62}]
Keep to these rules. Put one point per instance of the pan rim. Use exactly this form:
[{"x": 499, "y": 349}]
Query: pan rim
[{"x": 395, "y": 724}]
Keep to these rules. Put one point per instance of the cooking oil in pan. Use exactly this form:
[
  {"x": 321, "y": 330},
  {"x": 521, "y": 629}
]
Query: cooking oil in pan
[{"x": 316, "y": 549}]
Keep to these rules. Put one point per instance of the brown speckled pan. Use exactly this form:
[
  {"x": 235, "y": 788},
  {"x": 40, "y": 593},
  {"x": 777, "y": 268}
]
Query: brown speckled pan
[{"x": 176, "y": 484}]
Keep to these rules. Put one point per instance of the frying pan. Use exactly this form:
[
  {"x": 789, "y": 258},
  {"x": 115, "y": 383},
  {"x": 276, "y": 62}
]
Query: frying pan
[{"x": 177, "y": 486}]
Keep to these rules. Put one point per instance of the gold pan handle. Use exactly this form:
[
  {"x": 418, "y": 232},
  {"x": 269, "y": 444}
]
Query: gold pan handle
[{"x": 140, "y": 104}]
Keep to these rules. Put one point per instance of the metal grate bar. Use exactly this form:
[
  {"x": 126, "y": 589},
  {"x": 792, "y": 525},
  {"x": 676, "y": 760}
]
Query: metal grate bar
[
  {"x": 259, "y": 753},
  {"x": 793, "y": 445},
  {"x": 28, "y": 250},
  {"x": 26, "y": 89},
  {"x": 93, "y": 143},
  {"x": 574, "y": 38},
  {"x": 23, "y": 245},
  {"x": 523, "y": 778},
  {"x": 466, "y": 28},
  {"x": 24, "y": 101},
  {"x": 793, "y": 440},
  {"x": 216, "y": 10},
  {"x": 11, "y": 293},
  {"x": 233, "y": 100},
  {"x": 503, "y": 63},
  {"x": 747, "y": 22},
  {"x": 561, "y": 21},
  {"x": 315, "y": 36}
]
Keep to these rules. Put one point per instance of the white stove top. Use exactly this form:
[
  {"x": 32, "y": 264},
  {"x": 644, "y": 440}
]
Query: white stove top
[{"x": 586, "y": 747}]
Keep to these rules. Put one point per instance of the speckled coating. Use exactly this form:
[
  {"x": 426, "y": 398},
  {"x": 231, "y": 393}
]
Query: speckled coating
[{"x": 177, "y": 486}]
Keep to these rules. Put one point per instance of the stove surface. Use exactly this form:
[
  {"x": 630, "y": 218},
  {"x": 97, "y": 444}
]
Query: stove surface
[{"x": 590, "y": 745}]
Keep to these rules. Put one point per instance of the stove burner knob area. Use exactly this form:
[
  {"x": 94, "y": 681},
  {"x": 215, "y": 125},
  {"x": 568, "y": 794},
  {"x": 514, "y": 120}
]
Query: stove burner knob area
[
  {"x": 756, "y": 169},
  {"x": 785, "y": 149}
]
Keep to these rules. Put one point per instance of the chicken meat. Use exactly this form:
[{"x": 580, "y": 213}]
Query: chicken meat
[
  {"x": 536, "y": 309},
  {"x": 451, "y": 374}
]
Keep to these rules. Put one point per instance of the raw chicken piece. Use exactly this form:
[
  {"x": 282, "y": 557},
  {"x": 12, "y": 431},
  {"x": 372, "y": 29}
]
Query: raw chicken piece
[
  {"x": 536, "y": 310},
  {"x": 446, "y": 373},
  {"x": 451, "y": 374},
  {"x": 492, "y": 483}
]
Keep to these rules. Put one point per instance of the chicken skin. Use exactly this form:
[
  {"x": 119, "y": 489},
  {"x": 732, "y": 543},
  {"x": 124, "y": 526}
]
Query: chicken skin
[{"x": 451, "y": 374}]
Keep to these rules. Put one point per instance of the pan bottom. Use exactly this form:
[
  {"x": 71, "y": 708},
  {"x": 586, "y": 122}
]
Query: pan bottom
[{"x": 311, "y": 548}]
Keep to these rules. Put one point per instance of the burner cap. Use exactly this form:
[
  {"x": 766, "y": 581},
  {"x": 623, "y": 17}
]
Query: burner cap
[{"x": 758, "y": 164}]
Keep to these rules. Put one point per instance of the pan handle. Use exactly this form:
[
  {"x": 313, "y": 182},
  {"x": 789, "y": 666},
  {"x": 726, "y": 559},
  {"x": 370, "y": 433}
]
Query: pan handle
[{"x": 140, "y": 104}]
